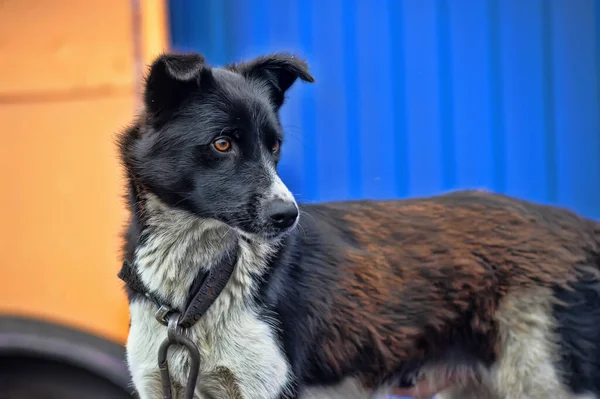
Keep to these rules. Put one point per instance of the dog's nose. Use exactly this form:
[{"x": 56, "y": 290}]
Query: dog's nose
[{"x": 282, "y": 214}]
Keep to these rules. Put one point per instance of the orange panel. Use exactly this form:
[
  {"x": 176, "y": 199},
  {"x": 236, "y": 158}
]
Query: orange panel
[
  {"x": 62, "y": 212},
  {"x": 59, "y": 45},
  {"x": 67, "y": 87}
]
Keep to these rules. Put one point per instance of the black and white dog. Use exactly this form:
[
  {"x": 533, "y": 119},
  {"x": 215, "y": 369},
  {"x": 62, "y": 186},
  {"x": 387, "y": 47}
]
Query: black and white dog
[{"x": 497, "y": 296}]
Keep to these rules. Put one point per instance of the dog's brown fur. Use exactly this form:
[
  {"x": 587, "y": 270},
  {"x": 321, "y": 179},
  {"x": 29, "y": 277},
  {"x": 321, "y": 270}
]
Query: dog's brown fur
[{"x": 426, "y": 274}]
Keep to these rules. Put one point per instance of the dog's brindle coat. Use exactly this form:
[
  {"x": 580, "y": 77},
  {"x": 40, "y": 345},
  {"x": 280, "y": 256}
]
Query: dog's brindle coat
[{"x": 354, "y": 297}]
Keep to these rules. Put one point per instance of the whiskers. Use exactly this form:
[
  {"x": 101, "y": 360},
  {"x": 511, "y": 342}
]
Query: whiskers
[{"x": 225, "y": 234}]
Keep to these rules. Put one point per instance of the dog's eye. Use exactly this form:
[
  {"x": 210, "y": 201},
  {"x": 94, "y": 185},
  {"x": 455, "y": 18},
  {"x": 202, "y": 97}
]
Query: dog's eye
[
  {"x": 276, "y": 146},
  {"x": 222, "y": 144}
]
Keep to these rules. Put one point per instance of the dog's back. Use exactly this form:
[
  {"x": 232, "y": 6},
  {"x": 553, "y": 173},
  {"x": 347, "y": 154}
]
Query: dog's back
[{"x": 477, "y": 286}]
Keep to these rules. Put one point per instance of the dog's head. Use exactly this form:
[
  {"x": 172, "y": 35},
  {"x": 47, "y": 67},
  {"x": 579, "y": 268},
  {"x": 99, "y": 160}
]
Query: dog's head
[{"x": 210, "y": 139}]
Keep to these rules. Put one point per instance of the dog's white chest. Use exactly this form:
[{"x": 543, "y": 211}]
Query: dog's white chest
[
  {"x": 238, "y": 349},
  {"x": 239, "y": 353},
  {"x": 248, "y": 351}
]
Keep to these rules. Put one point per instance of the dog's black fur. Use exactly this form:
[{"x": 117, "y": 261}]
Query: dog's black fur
[
  {"x": 578, "y": 317},
  {"x": 188, "y": 107},
  {"x": 370, "y": 290}
]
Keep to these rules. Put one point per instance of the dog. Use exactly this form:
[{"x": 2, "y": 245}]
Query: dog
[{"x": 349, "y": 299}]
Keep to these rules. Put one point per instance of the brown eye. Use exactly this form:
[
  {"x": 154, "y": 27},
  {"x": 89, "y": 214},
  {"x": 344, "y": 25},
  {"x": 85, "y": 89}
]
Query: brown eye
[
  {"x": 276, "y": 146},
  {"x": 222, "y": 144}
]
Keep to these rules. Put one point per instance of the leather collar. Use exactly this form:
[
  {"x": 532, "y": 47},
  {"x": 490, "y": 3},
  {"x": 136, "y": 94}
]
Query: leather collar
[{"x": 205, "y": 289}]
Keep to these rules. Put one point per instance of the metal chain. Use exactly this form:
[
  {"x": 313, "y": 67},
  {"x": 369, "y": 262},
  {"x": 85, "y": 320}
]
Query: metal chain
[{"x": 176, "y": 335}]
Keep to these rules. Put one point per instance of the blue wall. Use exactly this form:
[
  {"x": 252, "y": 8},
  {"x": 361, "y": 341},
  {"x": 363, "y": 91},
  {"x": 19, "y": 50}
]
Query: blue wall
[{"x": 416, "y": 97}]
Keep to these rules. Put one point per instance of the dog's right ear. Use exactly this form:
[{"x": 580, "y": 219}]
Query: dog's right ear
[{"x": 171, "y": 79}]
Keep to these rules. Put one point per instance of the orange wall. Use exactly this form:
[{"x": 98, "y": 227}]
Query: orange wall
[{"x": 67, "y": 85}]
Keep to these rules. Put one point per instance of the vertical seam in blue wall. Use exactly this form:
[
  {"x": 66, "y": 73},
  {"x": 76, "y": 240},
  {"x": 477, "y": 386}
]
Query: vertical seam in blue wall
[
  {"x": 549, "y": 107},
  {"x": 352, "y": 81},
  {"x": 309, "y": 142},
  {"x": 229, "y": 11},
  {"x": 398, "y": 93},
  {"x": 496, "y": 98},
  {"x": 259, "y": 26},
  {"x": 218, "y": 31},
  {"x": 446, "y": 127}
]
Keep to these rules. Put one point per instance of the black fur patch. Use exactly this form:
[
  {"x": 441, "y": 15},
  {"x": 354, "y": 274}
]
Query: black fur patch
[{"x": 578, "y": 320}]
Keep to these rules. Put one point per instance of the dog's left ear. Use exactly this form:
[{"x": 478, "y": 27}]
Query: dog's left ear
[{"x": 278, "y": 71}]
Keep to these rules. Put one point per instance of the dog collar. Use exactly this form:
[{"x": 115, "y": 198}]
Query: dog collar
[{"x": 205, "y": 289}]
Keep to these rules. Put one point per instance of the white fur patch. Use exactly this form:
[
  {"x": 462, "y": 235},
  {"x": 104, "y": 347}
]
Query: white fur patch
[
  {"x": 528, "y": 349},
  {"x": 277, "y": 189},
  {"x": 528, "y": 354},
  {"x": 230, "y": 335}
]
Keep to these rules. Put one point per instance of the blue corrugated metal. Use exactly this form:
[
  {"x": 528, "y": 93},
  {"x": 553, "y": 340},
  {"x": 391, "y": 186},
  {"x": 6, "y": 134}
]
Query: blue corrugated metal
[{"x": 416, "y": 97}]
